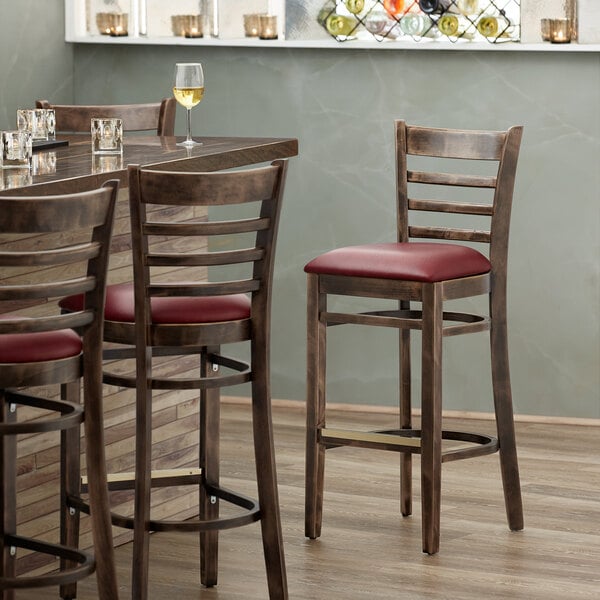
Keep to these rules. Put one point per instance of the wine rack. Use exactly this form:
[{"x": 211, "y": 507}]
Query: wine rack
[{"x": 494, "y": 21}]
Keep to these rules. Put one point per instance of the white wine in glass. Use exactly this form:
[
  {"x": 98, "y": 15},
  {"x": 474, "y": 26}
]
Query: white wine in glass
[{"x": 188, "y": 89}]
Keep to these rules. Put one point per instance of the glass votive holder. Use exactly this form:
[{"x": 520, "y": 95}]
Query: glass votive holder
[
  {"x": 34, "y": 121},
  {"x": 107, "y": 135},
  {"x": 178, "y": 25},
  {"x": 16, "y": 149},
  {"x": 50, "y": 116},
  {"x": 103, "y": 22},
  {"x": 545, "y": 29},
  {"x": 560, "y": 31},
  {"x": 193, "y": 26},
  {"x": 251, "y": 25},
  {"x": 118, "y": 23},
  {"x": 267, "y": 27}
]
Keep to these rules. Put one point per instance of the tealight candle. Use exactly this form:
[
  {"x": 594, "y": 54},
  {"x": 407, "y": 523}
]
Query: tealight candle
[
  {"x": 560, "y": 31},
  {"x": 267, "y": 27},
  {"x": 193, "y": 26},
  {"x": 118, "y": 24}
]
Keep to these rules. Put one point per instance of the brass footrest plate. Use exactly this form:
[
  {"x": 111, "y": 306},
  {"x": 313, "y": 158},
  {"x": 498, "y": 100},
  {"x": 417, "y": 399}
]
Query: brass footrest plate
[
  {"x": 409, "y": 441},
  {"x": 159, "y": 478}
]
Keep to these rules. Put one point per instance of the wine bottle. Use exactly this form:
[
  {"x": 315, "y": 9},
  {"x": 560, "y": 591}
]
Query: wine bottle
[
  {"x": 455, "y": 26},
  {"x": 434, "y": 6},
  {"x": 448, "y": 25},
  {"x": 393, "y": 7},
  {"x": 491, "y": 26},
  {"x": 377, "y": 21},
  {"x": 340, "y": 25},
  {"x": 415, "y": 24},
  {"x": 355, "y": 6}
]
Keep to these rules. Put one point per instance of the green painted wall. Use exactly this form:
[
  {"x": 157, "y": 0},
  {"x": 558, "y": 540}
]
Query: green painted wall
[
  {"x": 35, "y": 60},
  {"x": 341, "y": 105}
]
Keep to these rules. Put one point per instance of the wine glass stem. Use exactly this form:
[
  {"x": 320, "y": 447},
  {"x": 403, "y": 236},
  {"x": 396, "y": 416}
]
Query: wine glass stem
[{"x": 189, "y": 125}]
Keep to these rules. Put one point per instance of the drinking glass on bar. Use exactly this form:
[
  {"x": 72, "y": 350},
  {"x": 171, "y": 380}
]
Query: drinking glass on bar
[{"x": 188, "y": 89}]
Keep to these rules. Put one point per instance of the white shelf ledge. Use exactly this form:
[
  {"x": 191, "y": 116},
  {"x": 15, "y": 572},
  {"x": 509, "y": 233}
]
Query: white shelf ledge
[{"x": 333, "y": 44}]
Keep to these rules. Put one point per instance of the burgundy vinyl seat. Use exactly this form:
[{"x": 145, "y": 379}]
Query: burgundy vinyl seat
[
  {"x": 415, "y": 261},
  {"x": 120, "y": 306},
  {"x": 38, "y": 347},
  {"x": 461, "y": 173}
]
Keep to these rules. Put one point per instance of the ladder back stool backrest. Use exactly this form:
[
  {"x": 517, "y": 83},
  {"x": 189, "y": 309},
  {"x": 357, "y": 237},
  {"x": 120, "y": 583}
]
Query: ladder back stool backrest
[
  {"x": 469, "y": 147},
  {"x": 157, "y": 116}
]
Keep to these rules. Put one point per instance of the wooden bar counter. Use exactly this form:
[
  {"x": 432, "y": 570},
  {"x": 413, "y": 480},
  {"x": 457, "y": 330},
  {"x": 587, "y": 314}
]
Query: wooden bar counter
[{"x": 70, "y": 168}]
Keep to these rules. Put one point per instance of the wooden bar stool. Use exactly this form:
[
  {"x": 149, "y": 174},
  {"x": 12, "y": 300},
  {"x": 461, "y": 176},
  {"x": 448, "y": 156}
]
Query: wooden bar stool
[
  {"x": 55, "y": 245},
  {"x": 428, "y": 273},
  {"x": 153, "y": 116},
  {"x": 176, "y": 308}
]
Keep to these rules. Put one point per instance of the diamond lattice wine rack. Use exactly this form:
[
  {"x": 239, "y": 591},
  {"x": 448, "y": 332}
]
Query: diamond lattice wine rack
[{"x": 493, "y": 21}]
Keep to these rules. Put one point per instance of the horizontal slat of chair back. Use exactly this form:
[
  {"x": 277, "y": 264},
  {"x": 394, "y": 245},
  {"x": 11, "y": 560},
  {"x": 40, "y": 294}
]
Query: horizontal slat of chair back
[
  {"x": 242, "y": 286},
  {"x": 205, "y": 259},
  {"x": 62, "y": 256},
  {"x": 54, "y": 289},
  {"x": 452, "y": 179},
  {"x": 450, "y": 233},
  {"x": 212, "y": 228},
  {"x": 52, "y": 213},
  {"x": 444, "y": 143},
  {"x": 52, "y": 323},
  {"x": 208, "y": 189},
  {"x": 135, "y": 117},
  {"x": 451, "y": 207}
]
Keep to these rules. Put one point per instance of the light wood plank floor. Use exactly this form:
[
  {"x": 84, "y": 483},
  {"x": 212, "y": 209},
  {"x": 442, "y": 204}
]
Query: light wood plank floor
[{"x": 368, "y": 550}]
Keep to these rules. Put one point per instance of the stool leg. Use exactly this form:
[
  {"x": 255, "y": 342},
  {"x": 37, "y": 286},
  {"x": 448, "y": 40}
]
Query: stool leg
[
  {"x": 8, "y": 476},
  {"x": 504, "y": 409},
  {"x": 431, "y": 421},
  {"x": 106, "y": 576},
  {"x": 315, "y": 408},
  {"x": 70, "y": 456},
  {"x": 143, "y": 458},
  {"x": 209, "y": 463},
  {"x": 405, "y": 418},
  {"x": 266, "y": 475}
]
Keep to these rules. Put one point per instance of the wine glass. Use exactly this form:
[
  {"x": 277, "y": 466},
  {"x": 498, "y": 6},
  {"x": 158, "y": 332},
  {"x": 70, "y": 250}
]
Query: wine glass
[{"x": 188, "y": 89}]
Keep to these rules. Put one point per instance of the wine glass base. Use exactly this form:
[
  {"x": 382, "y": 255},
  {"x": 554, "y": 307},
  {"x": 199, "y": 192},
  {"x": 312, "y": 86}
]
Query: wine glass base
[{"x": 189, "y": 143}]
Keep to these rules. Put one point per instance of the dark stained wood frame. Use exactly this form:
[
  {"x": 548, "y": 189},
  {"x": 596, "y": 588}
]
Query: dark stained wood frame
[
  {"x": 59, "y": 215},
  {"x": 144, "y": 340},
  {"x": 434, "y": 324},
  {"x": 156, "y": 116}
]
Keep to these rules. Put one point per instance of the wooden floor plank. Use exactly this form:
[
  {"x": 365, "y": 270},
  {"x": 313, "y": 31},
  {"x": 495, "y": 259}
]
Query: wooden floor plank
[{"x": 368, "y": 550}]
